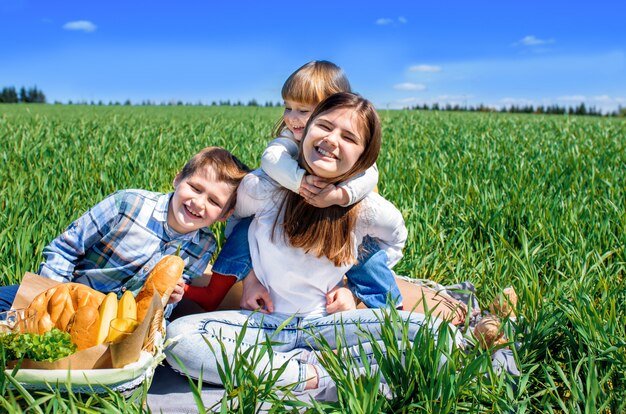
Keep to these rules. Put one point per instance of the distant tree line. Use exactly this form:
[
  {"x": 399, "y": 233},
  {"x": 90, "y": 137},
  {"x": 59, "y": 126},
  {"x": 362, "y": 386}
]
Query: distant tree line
[
  {"x": 34, "y": 95},
  {"x": 30, "y": 95},
  {"x": 128, "y": 102},
  {"x": 581, "y": 109}
]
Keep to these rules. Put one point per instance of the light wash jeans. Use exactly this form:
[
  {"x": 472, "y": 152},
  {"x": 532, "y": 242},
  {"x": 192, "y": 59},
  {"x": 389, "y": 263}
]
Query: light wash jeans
[{"x": 295, "y": 340}]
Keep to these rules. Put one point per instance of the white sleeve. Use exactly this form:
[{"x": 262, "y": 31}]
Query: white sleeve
[
  {"x": 278, "y": 161},
  {"x": 361, "y": 185},
  {"x": 254, "y": 193},
  {"x": 385, "y": 223}
]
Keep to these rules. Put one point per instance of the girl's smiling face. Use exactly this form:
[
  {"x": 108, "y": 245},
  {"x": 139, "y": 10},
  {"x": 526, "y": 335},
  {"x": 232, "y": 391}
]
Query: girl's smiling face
[
  {"x": 333, "y": 143},
  {"x": 296, "y": 115}
]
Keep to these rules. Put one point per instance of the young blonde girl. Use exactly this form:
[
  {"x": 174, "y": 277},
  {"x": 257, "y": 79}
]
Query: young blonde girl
[
  {"x": 300, "y": 253},
  {"x": 301, "y": 92},
  {"x": 371, "y": 280}
]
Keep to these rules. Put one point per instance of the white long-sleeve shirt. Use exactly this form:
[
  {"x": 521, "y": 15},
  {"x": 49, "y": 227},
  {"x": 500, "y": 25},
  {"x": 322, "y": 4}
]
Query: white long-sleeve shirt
[
  {"x": 297, "y": 281},
  {"x": 278, "y": 161}
]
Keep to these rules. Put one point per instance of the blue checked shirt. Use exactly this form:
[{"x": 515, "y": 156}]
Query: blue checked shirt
[{"x": 114, "y": 245}]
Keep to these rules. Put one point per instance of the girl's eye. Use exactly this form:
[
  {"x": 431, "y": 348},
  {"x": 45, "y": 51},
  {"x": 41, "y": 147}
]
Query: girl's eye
[
  {"x": 349, "y": 138},
  {"x": 325, "y": 127}
]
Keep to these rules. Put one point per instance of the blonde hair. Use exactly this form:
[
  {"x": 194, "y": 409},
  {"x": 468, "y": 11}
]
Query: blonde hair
[
  {"x": 328, "y": 231},
  {"x": 312, "y": 83},
  {"x": 226, "y": 166}
]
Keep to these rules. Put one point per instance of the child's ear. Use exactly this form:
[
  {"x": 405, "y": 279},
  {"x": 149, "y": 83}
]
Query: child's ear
[
  {"x": 227, "y": 215},
  {"x": 176, "y": 180}
]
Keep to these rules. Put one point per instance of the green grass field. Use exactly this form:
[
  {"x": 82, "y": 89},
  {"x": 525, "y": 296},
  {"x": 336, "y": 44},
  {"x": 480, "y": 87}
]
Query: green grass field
[{"x": 534, "y": 202}]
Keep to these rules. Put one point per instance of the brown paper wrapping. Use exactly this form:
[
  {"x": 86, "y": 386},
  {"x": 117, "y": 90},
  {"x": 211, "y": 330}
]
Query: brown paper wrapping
[{"x": 99, "y": 356}]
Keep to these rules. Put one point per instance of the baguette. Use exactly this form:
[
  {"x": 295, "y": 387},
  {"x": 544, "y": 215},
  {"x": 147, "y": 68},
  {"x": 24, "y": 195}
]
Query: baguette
[{"x": 162, "y": 280}]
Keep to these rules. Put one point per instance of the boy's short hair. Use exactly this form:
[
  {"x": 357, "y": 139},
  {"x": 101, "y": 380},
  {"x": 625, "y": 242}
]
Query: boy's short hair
[{"x": 225, "y": 165}]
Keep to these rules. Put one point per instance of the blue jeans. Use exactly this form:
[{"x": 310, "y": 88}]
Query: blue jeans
[
  {"x": 370, "y": 279},
  {"x": 7, "y": 295},
  {"x": 234, "y": 257},
  {"x": 292, "y": 345}
]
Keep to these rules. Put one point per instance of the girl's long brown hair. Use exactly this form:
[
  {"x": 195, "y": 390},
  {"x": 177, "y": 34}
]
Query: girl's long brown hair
[{"x": 328, "y": 231}]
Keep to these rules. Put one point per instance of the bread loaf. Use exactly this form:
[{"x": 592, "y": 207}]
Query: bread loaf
[
  {"x": 61, "y": 308},
  {"x": 84, "y": 327},
  {"x": 56, "y": 306},
  {"x": 162, "y": 279}
]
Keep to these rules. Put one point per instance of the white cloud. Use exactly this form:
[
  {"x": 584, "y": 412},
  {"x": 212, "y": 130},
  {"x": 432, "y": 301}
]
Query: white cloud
[
  {"x": 449, "y": 98},
  {"x": 383, "y": 21},
  {"x": 603, "y": 98},
  {"x": 441, "y": 100},
  {"x": 516, "y": 101},
  {"x": 572, "y": 98},
  {"x": 606, "y": 99},
  {"x": 84, "y": 25},
  {"x": 407, "y": 100},
  {"x": 407, "y": 86},
  {"x": 425, "y": 68},
  {"x": 533, "y": 41}
]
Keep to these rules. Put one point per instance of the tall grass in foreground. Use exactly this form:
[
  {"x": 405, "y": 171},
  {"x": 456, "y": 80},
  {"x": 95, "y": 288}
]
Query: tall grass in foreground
[
  {"x": 535, "y": 202},
  {"x": 389, "y": 372},
  {"x": 249, "y": 387}
]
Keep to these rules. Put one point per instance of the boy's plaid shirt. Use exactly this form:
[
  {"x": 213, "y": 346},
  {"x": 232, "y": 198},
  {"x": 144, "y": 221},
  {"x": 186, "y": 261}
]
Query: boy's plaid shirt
[{"x": 113, "y": 246}]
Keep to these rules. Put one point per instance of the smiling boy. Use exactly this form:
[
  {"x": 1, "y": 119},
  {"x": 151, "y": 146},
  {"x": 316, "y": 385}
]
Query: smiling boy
[{"x": 114, "y": 246}]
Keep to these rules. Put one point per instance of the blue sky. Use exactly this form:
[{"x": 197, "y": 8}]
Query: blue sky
[{"x": 396, "y": 53}]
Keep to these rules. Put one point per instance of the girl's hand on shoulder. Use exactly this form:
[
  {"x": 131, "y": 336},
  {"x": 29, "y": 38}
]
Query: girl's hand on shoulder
[
  {"x": 340, "y": 299},
  {"x": 255, "y": 296},
  {"x": 178, "y": 292}
]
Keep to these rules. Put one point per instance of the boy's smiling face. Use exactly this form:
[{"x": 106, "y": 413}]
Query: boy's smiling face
[{"x": 198, "y": 201}]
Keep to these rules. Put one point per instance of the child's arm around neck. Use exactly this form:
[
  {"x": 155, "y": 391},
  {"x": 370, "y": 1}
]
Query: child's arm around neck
[
  {"x": 278, "y": 161},
  {"x": 360, "y": 186}
]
